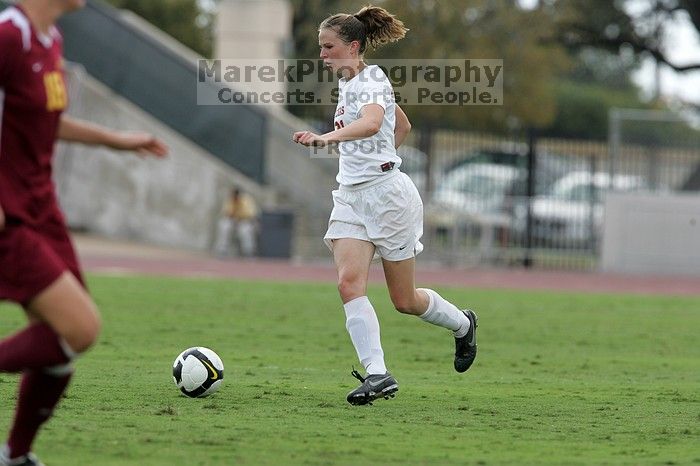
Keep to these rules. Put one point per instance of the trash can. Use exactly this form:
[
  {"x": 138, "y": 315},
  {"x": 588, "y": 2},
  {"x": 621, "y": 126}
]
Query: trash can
[{"x": 276, "y": 229}]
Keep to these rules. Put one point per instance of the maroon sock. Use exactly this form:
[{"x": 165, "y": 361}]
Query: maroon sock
[
  {"x": 39, "y": 393},
  {"x": 34, "y": 347}
]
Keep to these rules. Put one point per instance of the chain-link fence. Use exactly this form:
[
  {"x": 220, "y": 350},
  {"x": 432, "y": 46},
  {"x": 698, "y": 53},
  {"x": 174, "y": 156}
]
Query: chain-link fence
[{"x": 524, "y": 200}]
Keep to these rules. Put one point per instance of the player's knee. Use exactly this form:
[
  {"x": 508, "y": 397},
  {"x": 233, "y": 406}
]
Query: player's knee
[
  {"x": 404, "y": 307},
  {"x": 84, "y": 340},
  {"x": 350, "y": 288},
  {"x": 86, "y": 334},
  {"x": 405, "y": 304}
]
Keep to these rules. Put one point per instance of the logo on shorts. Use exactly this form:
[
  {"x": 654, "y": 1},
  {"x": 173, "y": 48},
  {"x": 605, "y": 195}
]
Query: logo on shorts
[{"x": 402, "y": 248}]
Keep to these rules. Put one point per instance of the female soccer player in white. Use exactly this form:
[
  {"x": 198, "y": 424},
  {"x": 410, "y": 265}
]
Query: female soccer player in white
[{"x": 377, "y": 209}]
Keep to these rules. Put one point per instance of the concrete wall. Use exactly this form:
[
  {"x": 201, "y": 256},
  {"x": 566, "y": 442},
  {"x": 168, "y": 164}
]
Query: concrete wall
[
  {"x": 260, "y": 28},
  {"x": 300, "y": 181},
  {"x": 176, "y": 201},
  {"x": 652, "y": 233},
  {"x": 172, "y": 202}
]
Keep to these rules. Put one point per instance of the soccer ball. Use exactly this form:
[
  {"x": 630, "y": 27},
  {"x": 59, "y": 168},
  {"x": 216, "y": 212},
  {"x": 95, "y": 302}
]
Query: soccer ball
[{"x": 198, "y": 372}]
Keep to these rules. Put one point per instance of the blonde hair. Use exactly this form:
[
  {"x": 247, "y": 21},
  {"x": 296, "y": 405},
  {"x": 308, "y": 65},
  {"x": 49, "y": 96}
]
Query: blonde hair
[{"x": 372, "y": 25}]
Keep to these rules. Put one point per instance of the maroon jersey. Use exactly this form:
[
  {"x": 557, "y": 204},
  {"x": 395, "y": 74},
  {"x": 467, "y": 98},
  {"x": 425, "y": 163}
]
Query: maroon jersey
[
  {"x": 35, "y": 248},
  {"x": 32, "y": 97}
]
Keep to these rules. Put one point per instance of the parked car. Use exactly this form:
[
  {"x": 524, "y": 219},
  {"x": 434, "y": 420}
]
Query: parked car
[
  {"x": 572, "y": 212},
  {"x": 497, "y": 186},
  {"x": 474, "y": 195},
  {"x": 513, "y": 155},
  {"x": 494, "y": 196},
  {"x": 476, "y": 188},
  {"x": 549, "y": 166}
]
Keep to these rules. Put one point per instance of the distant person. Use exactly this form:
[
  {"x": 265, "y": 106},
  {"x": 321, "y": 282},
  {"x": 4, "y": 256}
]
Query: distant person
[
  {"x": 39, "y": 269},
  {"x": 239, "y": 221},
  {"x": 377, "y": 209}
]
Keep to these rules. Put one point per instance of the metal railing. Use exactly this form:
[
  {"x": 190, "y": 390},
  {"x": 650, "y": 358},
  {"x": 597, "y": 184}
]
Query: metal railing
[{"x": 529, "y": 201}]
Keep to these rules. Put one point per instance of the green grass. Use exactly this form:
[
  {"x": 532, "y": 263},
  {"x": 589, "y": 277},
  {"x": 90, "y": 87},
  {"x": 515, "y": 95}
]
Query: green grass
[{"x": 560, "y": 379}]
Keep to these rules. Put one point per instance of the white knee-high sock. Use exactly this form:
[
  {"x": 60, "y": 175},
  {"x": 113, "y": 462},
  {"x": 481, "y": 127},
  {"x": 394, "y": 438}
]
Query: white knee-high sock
[
  {"x": 444, "y": 314},
  {"x": 363, "y": 327}
]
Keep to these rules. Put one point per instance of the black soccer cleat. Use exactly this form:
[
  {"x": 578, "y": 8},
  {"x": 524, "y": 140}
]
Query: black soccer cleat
[
  {"x": 27, "y": 460},
  {"x": 465, "y": 347},
  {"x": 373, "y": 386}
]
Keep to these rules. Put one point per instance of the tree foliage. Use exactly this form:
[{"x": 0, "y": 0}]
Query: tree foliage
[
  {"x": 454, "y": 29},
  {"x": 566, "y": 62},
  {"x": 182, "y": 19},
  {"x": 582, "y": 109},
  {"x": 636, "y": 25}
]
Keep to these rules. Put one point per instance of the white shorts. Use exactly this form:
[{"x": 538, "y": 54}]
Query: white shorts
[{"x": 387, "y": 212}]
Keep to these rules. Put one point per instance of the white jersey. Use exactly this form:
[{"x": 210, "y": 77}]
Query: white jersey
[{"x": 369, "y": 158}]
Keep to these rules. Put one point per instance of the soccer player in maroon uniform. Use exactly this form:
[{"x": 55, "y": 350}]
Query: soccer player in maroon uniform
[{"x": 38, "y": 265}]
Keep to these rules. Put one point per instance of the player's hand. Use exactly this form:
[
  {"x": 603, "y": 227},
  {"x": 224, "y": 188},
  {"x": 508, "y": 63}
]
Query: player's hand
[
  {"x": 308, "y": 138},
  {"x": 141, "y": 143},
  {"x": 2, "y": 219}
]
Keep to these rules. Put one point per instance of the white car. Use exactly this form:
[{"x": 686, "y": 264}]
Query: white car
[
  {"x": 476, "y": 188},
  {"x": 572, "y": 213}
]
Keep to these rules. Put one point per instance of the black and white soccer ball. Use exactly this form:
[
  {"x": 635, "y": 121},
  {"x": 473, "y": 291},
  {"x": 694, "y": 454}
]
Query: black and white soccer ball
[{"x": 198, "y": 372}]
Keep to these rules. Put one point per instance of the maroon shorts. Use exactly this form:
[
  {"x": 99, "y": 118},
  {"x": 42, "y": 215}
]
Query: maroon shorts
[{"x": 31, "y": 260}]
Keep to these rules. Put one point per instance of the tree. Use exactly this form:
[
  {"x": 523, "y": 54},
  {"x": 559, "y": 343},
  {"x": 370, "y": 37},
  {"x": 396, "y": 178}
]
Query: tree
[
  {"x": 185, "y": 20},
  {"x": 454, "y": 29},
  {"x": 597, "y": 81},
  {"x": 582, "y": 109},
  {"x": 635, "y": 25}
]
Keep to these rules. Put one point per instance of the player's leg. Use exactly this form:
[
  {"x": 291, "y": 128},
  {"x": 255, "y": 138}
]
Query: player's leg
[
  {"x": 63, "y": 323},
  {"x": 402, "y": 290},
  {"x": 352, "y": 259},
  {"x": 69, "y": 310},
  {"x": 433, "y": 308}
]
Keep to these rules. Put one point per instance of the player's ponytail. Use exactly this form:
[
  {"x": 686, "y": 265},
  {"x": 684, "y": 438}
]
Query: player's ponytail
[
  {"x": 371, "y": 25},
  {"x": 381, "y": 26}
]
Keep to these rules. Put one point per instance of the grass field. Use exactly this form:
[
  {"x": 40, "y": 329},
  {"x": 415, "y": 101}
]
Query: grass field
[{"x": 560, "y": 379}]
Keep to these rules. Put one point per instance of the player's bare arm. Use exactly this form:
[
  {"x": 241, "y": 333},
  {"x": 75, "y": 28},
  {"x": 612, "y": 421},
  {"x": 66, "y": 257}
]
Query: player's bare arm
[
  {"x": 367, "y": 125},
  {"x": 402, "y": 128},
  {"x": 2, "y": 219},
  {"x": 74, "y": 130}
]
